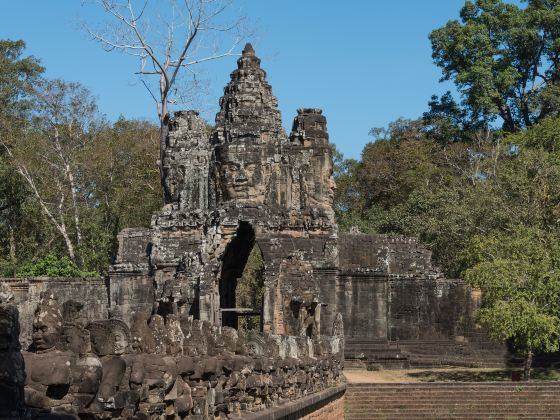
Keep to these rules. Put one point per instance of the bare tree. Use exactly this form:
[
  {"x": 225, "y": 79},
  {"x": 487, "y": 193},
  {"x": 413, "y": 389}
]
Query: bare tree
[
  {"x": 47, "y": 153},
  {"x": 169, "y": 39}
]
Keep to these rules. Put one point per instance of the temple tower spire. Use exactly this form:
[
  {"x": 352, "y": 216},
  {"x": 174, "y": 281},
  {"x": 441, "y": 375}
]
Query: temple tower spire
[{"x": 248, "y": 110}]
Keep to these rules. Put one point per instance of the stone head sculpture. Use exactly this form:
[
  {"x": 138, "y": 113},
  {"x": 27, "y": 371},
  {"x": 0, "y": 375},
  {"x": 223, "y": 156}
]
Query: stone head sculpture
[
  {"x": 109, "y": 337},
  {"x": 48, "y": 322},
  {"x": 9, "y": 328},
  {"x": 6, "y": 294},
  {"x": 255, "y": 345},
  {"x": 9, "y": 320},
  {"x": 230, "y": 339},
  {"x": 321, "y": 181},
  {"x": 71, "y": 311},
  {"x": 76, "y": 339},
  {"x": 242, "y": 172}
]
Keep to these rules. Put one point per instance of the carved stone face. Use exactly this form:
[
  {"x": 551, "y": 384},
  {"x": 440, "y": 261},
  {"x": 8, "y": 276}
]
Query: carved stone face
[
  {"x": 109, "y": 337},
  {"x": 77, "y": 339},
  {"x": 47, "y": 323},
  {"x": 121, "y": 342},
  {"x": 243, "y": 176},
  {"x": 45, "y": 335},
  {"x": 331, "y": 185},
  {"x": 254, "y": 349},
  {"x": 321, "y": 193}
]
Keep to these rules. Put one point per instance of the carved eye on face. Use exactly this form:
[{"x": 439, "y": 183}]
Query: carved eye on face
[
  {"x": 232, "y": 167},
  {"x": 250, "y": 167}
]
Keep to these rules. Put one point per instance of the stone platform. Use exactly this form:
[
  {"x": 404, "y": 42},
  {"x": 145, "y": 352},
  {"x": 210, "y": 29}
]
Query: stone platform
[{"x": 386, "y": 395}]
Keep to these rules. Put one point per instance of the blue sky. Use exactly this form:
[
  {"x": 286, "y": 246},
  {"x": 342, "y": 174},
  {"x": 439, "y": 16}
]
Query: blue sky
[{"x": 364, "y": 62}]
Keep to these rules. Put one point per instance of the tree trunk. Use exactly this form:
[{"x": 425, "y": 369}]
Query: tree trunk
[
  {"x": 528, "y": 363},
  {"x": 61, "y": 227},
  {"x": 13, "y": 260},
  {"x": 509, "y": 123},
  {"x": 162, "y": 145},
  {"x": 68, "y": 242}
]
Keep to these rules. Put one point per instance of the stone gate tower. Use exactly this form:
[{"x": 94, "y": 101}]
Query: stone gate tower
[{"x": 243, "y": 182}]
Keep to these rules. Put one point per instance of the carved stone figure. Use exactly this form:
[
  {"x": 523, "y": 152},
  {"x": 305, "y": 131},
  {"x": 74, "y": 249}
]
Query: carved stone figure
[
  {"x": 338, "y": 326},
  {"x": 174, "y": 336},
  {"x": 255, "y": 345},
  {"x": 157, "y": 325},
  {"x": 87, "y": 370},
  {"x": 72, "y": 313},
  {"x": 12, "y": 369},
  {"x": 142, "y": 336},
  {"x": 110, "y": 341},
  {"x": 49, "y": 370}
]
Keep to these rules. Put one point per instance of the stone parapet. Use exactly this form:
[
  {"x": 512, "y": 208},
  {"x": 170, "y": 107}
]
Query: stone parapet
[{"x": 91, "y": 292}]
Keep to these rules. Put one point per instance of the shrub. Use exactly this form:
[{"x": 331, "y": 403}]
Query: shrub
[{"x": 53, "y": 266}]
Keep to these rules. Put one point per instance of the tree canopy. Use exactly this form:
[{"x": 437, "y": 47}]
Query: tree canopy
[
  {"x": 504, "y": 59},
  {"x": 69, "y": 179}
]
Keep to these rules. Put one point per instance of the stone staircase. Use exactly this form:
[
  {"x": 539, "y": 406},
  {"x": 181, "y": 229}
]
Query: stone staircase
[
  {"x": 384, "y": 354},
  {"x": 453, "y": 400}
]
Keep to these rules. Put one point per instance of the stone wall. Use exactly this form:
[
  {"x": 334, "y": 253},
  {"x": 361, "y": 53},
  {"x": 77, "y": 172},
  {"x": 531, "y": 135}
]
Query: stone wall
[
  {"x": 334, "y": 410},
  {"x": 453, "y": 400},
  {"x": 91, "y": 292},
  {"x": 399, "y": 309},
  {"x": 172, "y": 367},
  {"x": 327, "y": 404}
]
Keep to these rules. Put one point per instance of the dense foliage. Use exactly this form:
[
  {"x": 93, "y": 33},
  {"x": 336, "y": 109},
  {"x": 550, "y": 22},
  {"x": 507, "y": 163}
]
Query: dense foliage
[
  {"x": 484, "y": 198},
  {"x": 519, "y": 274},
  {"x": 504, "y": 59},
  {"x": 53, "y": 266},
  {"x": 69, "y": 179}
]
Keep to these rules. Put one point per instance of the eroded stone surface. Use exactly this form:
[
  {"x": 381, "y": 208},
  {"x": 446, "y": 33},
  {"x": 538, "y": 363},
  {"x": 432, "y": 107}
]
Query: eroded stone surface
[
  {"x": 12, "y": 373},
  {"x": 106, "y": 376},
  {"x": 167, "y": 347},
  {"x": 248, "y": 182}
]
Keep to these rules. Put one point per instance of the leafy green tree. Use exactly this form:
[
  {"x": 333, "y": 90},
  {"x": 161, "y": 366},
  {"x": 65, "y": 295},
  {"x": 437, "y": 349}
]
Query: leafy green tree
[
  {"x": 518, "y": 273},
  {"x": 123, "y": 186},
  {"x": 447, "y": 121},
  {"x": 17, "y": 75},
  {"x": 53, "y": 266},
  {"x": 504, "y": 60},
  {"x": 12, "y": 200},
  {"x": 48, "y": 152},
  {"x": 69, "y": 180}
]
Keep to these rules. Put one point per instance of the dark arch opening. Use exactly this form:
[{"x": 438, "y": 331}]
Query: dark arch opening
[
  {"x": 233, "y": 264},
  {"x": 250, "y": 292}
]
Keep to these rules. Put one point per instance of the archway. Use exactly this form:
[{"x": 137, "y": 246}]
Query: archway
[
  {"x": 249, "y": 292},
  {"x": 233, "y": 264}
]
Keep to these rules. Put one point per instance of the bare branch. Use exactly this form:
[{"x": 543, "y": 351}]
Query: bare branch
[{"x": 149, "y": 90}]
